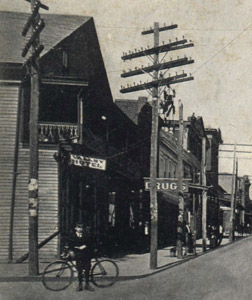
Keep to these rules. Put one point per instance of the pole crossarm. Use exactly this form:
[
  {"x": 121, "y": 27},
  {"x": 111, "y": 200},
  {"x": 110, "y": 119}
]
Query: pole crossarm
[
  {"x": 154, "y": 50},
  {"x": 39, "y": 27},
  {"x": 181, "y": 47},
  {"x": 43, "y": 6},
  {"x": 156, "y": 83},
  {"x": 31, "y": 18},
  {"x": 169, "y": 27},
  {"x": 162, "y": 66},
  {"x": 181, "y": 80}
]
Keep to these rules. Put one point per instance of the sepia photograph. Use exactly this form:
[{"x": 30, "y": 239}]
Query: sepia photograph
[{"x": 125, "y": 149}]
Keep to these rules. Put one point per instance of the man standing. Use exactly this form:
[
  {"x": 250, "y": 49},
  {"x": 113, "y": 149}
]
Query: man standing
[{"x": 82, "y": 245}]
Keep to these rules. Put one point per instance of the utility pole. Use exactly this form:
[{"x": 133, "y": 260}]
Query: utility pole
[
  {"x": 153, "y": 89},
  {"x": 153, "y": 159},
  {"x": 194, "y": 225},
  {"x": 232, "y": 212},
  {"x": 180, "y": 225},
  {"x": 36, "y": 24},
  {"x": 243, "y": 198},
  {"x": 204, "y": 195},
  {"x": 234, "y": 179}
]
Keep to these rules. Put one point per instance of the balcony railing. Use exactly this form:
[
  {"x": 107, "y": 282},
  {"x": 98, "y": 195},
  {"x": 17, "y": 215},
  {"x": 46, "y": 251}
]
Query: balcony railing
[{"x": 53, "y": 133}]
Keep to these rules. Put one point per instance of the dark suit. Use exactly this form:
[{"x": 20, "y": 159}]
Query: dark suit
[{"x": 83, "y": 257}]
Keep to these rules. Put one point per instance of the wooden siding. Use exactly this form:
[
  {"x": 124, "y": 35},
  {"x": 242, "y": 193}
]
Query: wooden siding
[
  {"x": 8, "y": 121},
  {"x": 48, "y": 186},
  {"x": 48, "y": 204}
]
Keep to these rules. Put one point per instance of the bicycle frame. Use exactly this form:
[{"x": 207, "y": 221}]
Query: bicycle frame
[{"x": 72, "y": 263}]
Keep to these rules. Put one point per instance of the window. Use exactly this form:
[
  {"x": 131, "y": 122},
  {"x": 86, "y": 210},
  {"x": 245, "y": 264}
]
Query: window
[
  {"x": 169, "y": 171},
  {"x": 162, "y": 167},
  {"x": 58, "y": 103},
  {"x": 175, "y": 171}
]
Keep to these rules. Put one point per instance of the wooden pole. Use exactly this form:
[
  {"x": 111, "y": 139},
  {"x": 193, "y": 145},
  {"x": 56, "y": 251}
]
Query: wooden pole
[
  {"x": 33, "y": 172},
  {"x": 34, "y": 155},
  {"x": 180, "y": 226},
  {"x": 194, "y": 225},
  {"x": 80, "y": 117},
  {"x": 243, "y": 198},
  {"x": 232, "y": 213},
  {"x": 204, "y": 196},
  {"x": 153, "y": 161}
]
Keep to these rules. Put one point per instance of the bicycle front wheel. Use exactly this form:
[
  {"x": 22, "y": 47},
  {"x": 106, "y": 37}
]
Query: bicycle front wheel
[
  {"x": 104, "y": 273},
  {"x": 57, "y": 276}
]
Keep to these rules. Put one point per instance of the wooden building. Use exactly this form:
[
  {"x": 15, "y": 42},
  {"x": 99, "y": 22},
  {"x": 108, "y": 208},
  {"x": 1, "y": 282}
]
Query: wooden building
[{"x": 80, "y": 129}]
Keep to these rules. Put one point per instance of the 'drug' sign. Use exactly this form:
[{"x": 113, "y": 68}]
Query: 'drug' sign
[{"x": 165, "y": 184}]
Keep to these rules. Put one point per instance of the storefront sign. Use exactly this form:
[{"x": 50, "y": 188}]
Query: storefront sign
[
  {"x": 164, "y": 184},
  {"x": 89, "y": 162}
]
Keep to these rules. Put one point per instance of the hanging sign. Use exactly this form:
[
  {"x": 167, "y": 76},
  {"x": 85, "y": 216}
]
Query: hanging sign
[
  {"x": 165, "y": 184},
  {"x": 86, "y": 161}
]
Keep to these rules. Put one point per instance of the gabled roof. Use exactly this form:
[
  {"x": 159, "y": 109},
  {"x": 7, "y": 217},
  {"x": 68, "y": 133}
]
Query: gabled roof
[
  {"x": 197, "y": 124},
  {"x": 57, "y": 28},
  {"x": 129, "y": 107}
]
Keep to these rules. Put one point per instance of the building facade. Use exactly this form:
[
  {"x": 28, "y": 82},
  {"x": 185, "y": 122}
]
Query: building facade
[
  {"x": 88, "y": 155},
  {"x": 194, "y": 132}
]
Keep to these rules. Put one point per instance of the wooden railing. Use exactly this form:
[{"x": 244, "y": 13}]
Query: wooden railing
[{"x": 53, "y": 133}]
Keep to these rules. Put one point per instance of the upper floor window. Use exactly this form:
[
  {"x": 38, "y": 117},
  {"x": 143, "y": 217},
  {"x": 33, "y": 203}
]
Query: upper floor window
[
  {"x": 58, "y": 103},
  {"x": 162, "y": 167},
  {"x": 166, "y": 168},
  {"x": 175, "y": 171},
  {"x": 169, "y": 169}
]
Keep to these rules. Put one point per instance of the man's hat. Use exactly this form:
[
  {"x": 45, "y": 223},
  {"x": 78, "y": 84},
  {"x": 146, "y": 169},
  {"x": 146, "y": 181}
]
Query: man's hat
[{"x": 78, "y": 224}]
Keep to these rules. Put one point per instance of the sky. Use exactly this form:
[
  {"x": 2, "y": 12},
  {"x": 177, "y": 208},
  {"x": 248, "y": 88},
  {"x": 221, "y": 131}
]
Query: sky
[{"x": 222, "y": 35}]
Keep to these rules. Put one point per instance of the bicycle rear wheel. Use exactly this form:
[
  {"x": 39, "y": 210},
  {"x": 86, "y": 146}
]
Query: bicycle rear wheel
[
  {"x": 57, "y": 276},
  {"x": 104, "y": 273}
]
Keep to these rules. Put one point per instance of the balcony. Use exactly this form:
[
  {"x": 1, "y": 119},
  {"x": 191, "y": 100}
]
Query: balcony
[{"x": 53, "y": 133}]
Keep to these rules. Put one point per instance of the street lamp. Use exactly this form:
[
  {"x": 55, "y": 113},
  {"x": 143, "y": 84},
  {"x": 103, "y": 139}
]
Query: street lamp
[{"x": 104, "y": 118}]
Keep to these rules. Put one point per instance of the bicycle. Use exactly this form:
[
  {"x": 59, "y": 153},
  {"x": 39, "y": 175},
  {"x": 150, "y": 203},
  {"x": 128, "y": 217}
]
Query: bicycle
[{"x": 59, "y": 274}]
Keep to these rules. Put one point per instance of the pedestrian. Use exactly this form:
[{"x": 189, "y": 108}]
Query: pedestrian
[
  {"x": 220, "y": 235},
  {"x": 189, "y": 239},
  {"x": 82, "y": 244}
]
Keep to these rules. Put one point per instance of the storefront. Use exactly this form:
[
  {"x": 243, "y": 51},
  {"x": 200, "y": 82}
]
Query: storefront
[{"x": 95, "y": 191}]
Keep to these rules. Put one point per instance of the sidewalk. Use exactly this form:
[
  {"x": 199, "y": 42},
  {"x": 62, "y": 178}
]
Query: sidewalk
[
  {"x": 135, "y": 266},
  {"x": 131, "y": 266}
]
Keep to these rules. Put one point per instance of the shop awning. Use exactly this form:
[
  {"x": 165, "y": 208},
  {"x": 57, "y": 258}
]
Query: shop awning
[
  {"x": 198, "y": 186},
  {"x": 169, "y": 197}
]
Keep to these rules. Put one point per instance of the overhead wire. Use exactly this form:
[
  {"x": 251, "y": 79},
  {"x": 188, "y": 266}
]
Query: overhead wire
[
  {"x": 128, "y": 149},
  {"x": 223, "y": 48}
]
